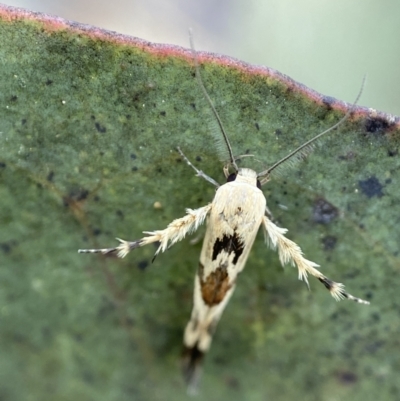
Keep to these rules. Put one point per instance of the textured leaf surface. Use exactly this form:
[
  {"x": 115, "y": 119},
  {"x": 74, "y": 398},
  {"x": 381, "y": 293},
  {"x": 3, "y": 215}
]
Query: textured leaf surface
[{"x": 89, "y": 121}]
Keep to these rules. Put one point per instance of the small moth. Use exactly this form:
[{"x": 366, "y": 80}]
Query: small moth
[{"x": 234, "y": 217}]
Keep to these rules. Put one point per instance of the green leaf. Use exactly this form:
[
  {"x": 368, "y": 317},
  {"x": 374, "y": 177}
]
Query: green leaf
[{"x": 90, "y": 121}]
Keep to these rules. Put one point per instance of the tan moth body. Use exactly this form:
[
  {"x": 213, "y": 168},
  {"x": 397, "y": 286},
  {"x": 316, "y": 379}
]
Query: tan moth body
[{"x": 234, "y": 217}]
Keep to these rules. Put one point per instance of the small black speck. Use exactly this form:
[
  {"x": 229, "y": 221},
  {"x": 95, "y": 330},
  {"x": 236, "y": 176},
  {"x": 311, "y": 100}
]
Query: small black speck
[
  {"x": 3, "y": 165},
  {"x": 371, "y": 187},
  {"x": 392, "y": 153},
  {"x": 120, "y": 213},
  {"x": 193, "y": 105},
  {"x": 257, "y": 126},
  {"x": 50, "y": 176},
  {"x": 361, "y": 226},
  {"x": 348, "y": 156},
  {"x": 49, "y": 82},
  {"x": 159, "y": 170},
  {"x": 323, "y": 211},
  {"x": 96, "y": 232},
  {"x": 143, "y": 264},
  {"x": 376, "y": 125},
  {"x": 134, "y": 168},
  {"x": 100, "y": 128},
  {"x": 14, "y": 98},
  {"x": 347, "y": 377},
  {"x": 92, "y": 117},
  {"x": 23, "y": 121},
  {"x": 198, "y": 158},
  {"x": 376, "y": 317},
  {"x": 101, "y": 153},
  {"x": 278, "y": 132},
  {"x": 128, "y": 116},
  {"x": 133, "y": 156},
  {"x": 328, "y": 101},
  {"x": 5, "y": 247},
  {"x": 329, "y": 242},
  {"x": 78, "y": 194},
  {"x": 163, "y": 113}
]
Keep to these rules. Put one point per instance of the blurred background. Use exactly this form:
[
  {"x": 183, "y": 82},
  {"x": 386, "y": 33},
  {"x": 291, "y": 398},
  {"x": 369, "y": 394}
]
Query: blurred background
[{"x": 327, "y": 45}]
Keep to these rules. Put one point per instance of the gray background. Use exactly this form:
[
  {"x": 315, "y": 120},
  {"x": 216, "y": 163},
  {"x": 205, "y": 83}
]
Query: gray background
[{"x": 326, "y": 45}]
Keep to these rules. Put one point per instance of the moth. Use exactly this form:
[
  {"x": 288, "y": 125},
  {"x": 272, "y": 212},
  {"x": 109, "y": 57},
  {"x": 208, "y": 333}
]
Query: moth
[{"x": 234, "y": 216}]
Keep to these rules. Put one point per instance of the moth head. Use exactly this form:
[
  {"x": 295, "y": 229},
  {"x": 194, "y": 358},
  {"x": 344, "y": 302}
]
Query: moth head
[{"x": 244, "y": 175}]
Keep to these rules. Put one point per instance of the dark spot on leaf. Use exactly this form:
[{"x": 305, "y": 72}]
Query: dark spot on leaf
[
  {"x": 348, "y": 156},
  {"x": 278, "y": 132},
  {"x": 14, "y": 98},
  {"x": 92, "y": 117},
  {"x": 23, "y": 121},
  {"x": 163, "y": 113},
  {"x": 323, "y": 211},
  {"x": 329, "y": 242},
  {"x": 228, "y": 244},
  {"x": 5, "y": 247},
  {"x": 347, "y": 377},
  {"x": 3, "y": 165},
  {"x": 371, "y": 187},
  {"x": 392, "y": 153},
  {"x": 134, "y": 168},
  {"x": 233, "y": 383},
  {"x": 75, "y": 195},
  {"x": 50, "y": 176},
  {"x": 257, "y": 126},
  {"x": 96, "y": 232},
  {"x": 328, "y": 101},
  {"x": 198, "y": 158},
  {"x": 374, "y": 346},
  {"x": 120, "y": 214},
  {"x": 100, "y": 128},
  {"x": 49, "y": 82},
  {"x": 142, "y": 264},
  {"x": 133, "y": 156},
  {"x": 193, "y": 105},
  {"x": 376, "y": 125}
]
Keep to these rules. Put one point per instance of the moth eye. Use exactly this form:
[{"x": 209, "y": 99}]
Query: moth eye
[
  {"x": 258, "y": 184},
  {"x": 231, "y": 177}
]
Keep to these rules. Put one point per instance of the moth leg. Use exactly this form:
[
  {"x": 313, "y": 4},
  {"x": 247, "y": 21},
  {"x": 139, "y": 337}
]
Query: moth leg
[
  {"x": 290, "y": 252},
  {"x": 176, "y": 231},
  {"x": 199, "y": 173}
]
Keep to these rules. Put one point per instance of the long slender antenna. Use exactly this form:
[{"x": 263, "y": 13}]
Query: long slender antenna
[
  {"x": 265, "y": 173},
  {"x": 220, "y": 125}
]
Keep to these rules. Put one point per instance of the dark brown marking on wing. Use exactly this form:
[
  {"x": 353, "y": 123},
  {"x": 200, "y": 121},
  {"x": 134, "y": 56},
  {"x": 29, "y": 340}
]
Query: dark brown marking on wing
[
  {"x": 215, "y": 286},
  {"x": 229, "y": 244}
]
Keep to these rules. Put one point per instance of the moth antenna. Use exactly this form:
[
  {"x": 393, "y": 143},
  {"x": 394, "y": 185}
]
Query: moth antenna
[
  {"x": 213, "y": 109},
  {"x": 264, "y": 175}
]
